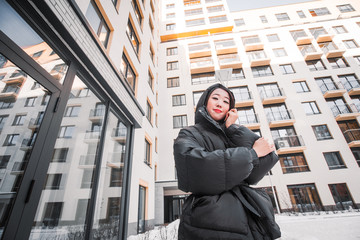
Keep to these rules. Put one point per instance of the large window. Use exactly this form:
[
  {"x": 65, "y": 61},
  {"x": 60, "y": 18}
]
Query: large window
[
  {"x": 305, "y": 198},
  {"x": 172, "y": 66},
  {"x": 133, "y": 36},
  {"x": 218, "y": 19},
  {"x": 179, "y": 121},
  {"x": 195, "y": 22},
  {"x": 342, "y": 196},
  {"x": 201, "y": 78},
  {"x": 334, "y": 160},
  {"x": 128, "y": 72},
  {"x": 338, "y": 62},
  {"x": 315, "y": 65},
  {"x": 137, "y": 10},
  {"x": 171, "y": 51},
  {"x": 350, "y": 44},
  {"x": 287, "y": 68},
  {"x": 178, "y": 100},
  {"x": 98, "y": 23},
  {"x": 319, "y": 11},
  {"x": 322, "y": 132},
  {"x": 262, "y": 71},
  {"x": 293, "y": 163},
  {"x": 310, "y": 108},
  {"x": 345, "y": 8},
  {"x": 173, "y": 82},
  {"x": 282, "y": 16},
  {"x": 142, "y": 209}
]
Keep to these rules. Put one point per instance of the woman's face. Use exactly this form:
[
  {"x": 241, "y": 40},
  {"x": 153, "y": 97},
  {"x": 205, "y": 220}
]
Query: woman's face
[{"x": 218, "y": 104}]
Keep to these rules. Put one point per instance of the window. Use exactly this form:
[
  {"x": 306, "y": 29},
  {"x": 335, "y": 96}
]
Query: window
[
  {"x": 52, "y": 214},
  {"x": 246, "y": 115},
  {"x": 6, "y": 104},
  {"x": 19, "y": 120},
  {"x": 345, "y": 8},
  {"x": 128, "y": 72},
  {"x": 319, "y": 11},
  {"x": 171, "y": 5},
  {"x": 263, "y": 19},
  {"x": 36, "y": 85},
  {"x": 171, "y": 51},
  {"x": 273, "y": 38},
  {"x": 179, "y": 121},
  {"x": 147, "y": 159},
  {"x": 178, "y": 100},
  {"x": 218, "y": 19},
  {"x": 239, "y": 22},
  {"x": 53, "y": 181},
  {"x": 150, "y": 80},
  {"x": 301, "y": 14},
  {"x": 149, "y": 109},
  {"x": 325, "y": 84},
  {"x": 173, "y": 82},
  {"x": 213, "y": 9},
  {"x": 338, "y": 62},
  {"x": 287, "y": 68},
  {"x": 304, "y": 198},
  {"x": 195, "y": 22},
  {"x": 262, "y": 71},
  {"x": 334, "y": 160},
  {"x": 203, "y": 46},
  {"x": 315, "y": 65},
  {"x": 256, "y": 55},
  {"x": 11, "y": 139},
  {"x": 116, "y": 177},
  {"x": 4, "y": 160},
  {"x": 196, "y": 97},
  {"x": 269, "y": 90},
  {"x": 151, "y": 53},
  {"x": 172, "y": 66},
  {"x": 280, "y": 52},
  {"x": 322, "y": 132},
  {"x": 30, "y": 102},
  {"x": 84, "y": 92},
  {"x": 241, "y": 93},
  {"x": 282, "y": 16},
  {"x": 349, "y": 81},
  {"x": 170, "y": 15},
  {"x": 60, "y": 155},
  {"x": 293, "y": 163},
  {"x": 98, "y": 23},
  {"x": 338, "y": 106},
  {"x": 356, "y": 153},
  {"x": 137, "y": 10},
  {"x": 3, "y": 119},
  {"x": 133, "y": 36},
  {"x": 170, "y": 26},
  {"x": 310, "y": 108},
  {"x": 357, "y": 59},
  {"x": 142, "y": 209},
  {"x": 72, "y": 111},
  {"x": 350, "y": 44},
  {"x": 201, "y": 78},
  {"x": 37, "y": 54},
  {"x": 237, "y": 73},
  {"x": 87, "y": 178},
  {"x": 342, "y": 196},
  {"x": 340, "y": 29},
  {"x": 192, "y": 12},
  {"x": 66, "y": 131}
]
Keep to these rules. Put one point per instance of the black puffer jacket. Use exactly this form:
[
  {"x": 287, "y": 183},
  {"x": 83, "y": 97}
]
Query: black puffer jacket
[{"x": 217, "y": 164}]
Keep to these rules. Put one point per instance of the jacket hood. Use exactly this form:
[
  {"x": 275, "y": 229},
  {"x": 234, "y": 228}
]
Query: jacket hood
[{"x": 201, "y": 111}]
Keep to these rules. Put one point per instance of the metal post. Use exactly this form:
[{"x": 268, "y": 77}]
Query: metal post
[{"x": 275, "y": 198}]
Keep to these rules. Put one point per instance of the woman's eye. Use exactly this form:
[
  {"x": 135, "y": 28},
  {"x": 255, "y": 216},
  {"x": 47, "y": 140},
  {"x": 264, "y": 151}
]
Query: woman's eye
[{"x": 226, "y": 102}]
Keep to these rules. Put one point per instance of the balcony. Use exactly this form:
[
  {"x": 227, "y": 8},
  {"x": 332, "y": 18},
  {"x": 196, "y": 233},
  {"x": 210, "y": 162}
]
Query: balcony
[
  {"x": 332, "y": 50},
  {"x": 10, "y": 93},
  {"x": 309, "y": 52},
  {"x": 250, "y": 121},
  {"x": 198, "y": 65},
  {"x": 97, "y": 114},
  {"x": 34, "y": 123},
  {"x": 225, "y": 47},
  {"x": 301, "y": 37},
  {"x": 229, "y": 61},
  {"x": 272, "y": 96},
  {"x": 2, "y": 126},
  {"x": 199, "y": 50},
  {"x": 116, "y": 160},
  {"x": 258, "y": 58},
  {"x": 289, "y": 144},
  {"x": 18, "y": 167},
  {"x": 344, "y": 112},
  {"x": 352, "y": 137},
  {"x": 244, "y": 99},
  {"x": 119, "y": 134},
  {"x": 15, "y": 80},
  {"x": 87, "y": 161},
  {"x": 330, "y": 90},
  {"x": 321, "y": 35},
  {"x": 352, "y": 86},
  {"x": 253, "y": 44},
  {"x": 280, "y": 118},
  {"x": 92, "y": 136},
  {"x": 27, "y": 144}
]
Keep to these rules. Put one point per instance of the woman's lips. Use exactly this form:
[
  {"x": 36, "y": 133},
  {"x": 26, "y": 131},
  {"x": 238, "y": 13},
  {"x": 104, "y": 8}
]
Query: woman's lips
[{"x": 217, "y": 110}]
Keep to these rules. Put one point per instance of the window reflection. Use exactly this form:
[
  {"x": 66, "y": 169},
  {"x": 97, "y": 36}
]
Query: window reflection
[
  {"x": 65, "y": 197},
  {"x": 24, "y": 36},
  {"x": 18, "y": 130}
]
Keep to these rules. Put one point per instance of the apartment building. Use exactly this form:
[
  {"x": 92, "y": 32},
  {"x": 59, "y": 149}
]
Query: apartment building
[
  {"x": 294, "y": 71},
  {"x": 93, "y": 93}
]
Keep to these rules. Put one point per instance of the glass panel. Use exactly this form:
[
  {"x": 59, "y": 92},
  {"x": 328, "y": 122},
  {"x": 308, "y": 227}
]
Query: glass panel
[
  {"x": 19, "y": 126},
  {"x": 107, "y": 209},
  {"x": 24, "y": 36},
  {"x": 62, "y": 211}
]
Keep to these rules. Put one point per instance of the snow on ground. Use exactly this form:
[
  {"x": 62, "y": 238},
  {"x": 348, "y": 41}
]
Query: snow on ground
[{"x": 310, "y": 226}]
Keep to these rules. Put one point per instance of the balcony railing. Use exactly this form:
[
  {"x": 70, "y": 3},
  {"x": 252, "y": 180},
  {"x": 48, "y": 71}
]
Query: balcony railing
[
  {"x": 342, "y": 109},
  {"x": 27, "y": 143},
  {"x": 352, "y": 135},
  {"x": 19, "y": 166},
  {"x": 326, "y": 87},
  {"x": 92, "y": 135},
  {"x": 34, "y": 123},
  {"x": 228, "y": 59},
  {"x": 289, "y": 141},
  {"x": 299, "y": 34},
  {"x": 204, "y": 62},
  {"x": 279, "y": 115},
  {"x": 225, "y": 44},
  {"x": 97, "y": 112},
  {"x": 252, "y": 40},
  {"x": 271, "y": 93},
  {"x": 243, "y": 96},
  {"x": 87, "y": 160},
  {"x": 351, "y": 84},
  {"x": 119, "y": 132}
]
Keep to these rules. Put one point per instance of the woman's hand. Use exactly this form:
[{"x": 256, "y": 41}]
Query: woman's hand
[
  {"x": 262, "y": 147},
  {"x": 231, "y": 117}
]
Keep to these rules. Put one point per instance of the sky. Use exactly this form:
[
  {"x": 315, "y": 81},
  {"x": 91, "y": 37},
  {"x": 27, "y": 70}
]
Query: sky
[{"x": 238, "y": 5}]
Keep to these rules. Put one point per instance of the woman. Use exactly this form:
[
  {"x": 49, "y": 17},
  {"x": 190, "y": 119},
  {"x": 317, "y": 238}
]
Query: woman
[{"x": 216, "y": 160}]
